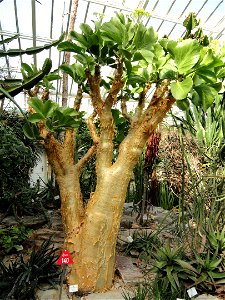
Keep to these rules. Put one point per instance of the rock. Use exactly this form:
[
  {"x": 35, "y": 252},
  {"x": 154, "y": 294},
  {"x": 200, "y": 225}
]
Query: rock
[
  {"x": 29, "y": 221},
  {"x": 207, "y": 297},
  {"x": 110, "y": 295},
  {"x": 128, "y": 208},
  {"x": 48, "y": 293},
  {"x": 134, "y": 253},
  {"x": 129, "y": 273}
]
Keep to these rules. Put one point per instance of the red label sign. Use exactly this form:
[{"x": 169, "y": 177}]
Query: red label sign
[{"x": 65, "y": 258}]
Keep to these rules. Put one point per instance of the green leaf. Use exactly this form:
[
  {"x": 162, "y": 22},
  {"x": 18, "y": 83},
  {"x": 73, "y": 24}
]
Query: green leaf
[
  {"x": 37, "y": 105},
  {"x": 206, "y": 94},
  {"x": 221, "y": 73},
  {"x": 51, "y": 77},
  {"x": 183, "y": 104},
  {"x": 170, "y": 276},
  {"x": 186, "y": 55},
  {"x": 181, "y": 89},
  {"x": 190, "y": 22},
  {"x": 67, "y": 111},
  {"x": 113, "y": 31},
  {"x": 30, "y": 131},
  {"x": 80, "y": 38},
  {"x": 207, "y": 75},
  {"x": 36, "y": 117},
  {"x": 87, "y": 30},
  {"x": 9, "y": 39},
  {"x": 144, "y": 38},
  {"x": 147, "y": 55},
  {"x": 48, "y": 108},
  {"x": 70, "y": 47},
  {"x": 185, "y": 265}
]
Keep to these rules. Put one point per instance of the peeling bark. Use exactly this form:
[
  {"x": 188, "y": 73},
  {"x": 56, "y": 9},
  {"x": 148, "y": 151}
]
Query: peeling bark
[{"x": 91, "y": 230}]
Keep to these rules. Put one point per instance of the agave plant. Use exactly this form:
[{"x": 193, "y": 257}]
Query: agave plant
[
  {"x": 172, "y": 271},
  {"x": 211, "y": 271}
]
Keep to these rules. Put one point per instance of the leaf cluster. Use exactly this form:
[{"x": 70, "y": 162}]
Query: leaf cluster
[
  {"x": 171, "y": 268},
  {"x": 54, "y": 117},
  {"x": 12, "y": 238},
  {"x": 194, "y": 70},
  {"x": 20, "y": 278}
]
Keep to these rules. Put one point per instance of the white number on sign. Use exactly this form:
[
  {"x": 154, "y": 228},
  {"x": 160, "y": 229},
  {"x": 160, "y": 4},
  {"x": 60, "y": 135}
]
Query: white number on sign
[{"x": 65, "y": 260}]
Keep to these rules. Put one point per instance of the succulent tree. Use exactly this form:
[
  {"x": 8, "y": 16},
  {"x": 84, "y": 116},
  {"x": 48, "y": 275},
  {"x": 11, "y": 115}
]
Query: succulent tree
[{"x": 156, "y": 74}]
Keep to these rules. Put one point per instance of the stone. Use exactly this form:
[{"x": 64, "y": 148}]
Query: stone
[
  {"x": 207, "y": 297},
  {"x": 29, "y": 221},
  {"x": 129, "y": 273},
  {"x": 113, "y": 294},
  {"x": 48, "y": 293}
]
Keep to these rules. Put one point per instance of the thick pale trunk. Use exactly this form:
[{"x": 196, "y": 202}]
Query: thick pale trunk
[{"x": 95, "y": 244}]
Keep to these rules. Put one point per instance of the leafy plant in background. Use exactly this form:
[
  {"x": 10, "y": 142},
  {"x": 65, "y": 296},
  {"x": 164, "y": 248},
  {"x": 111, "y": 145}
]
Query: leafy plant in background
[
  {"x": 141, "y": 293},
  {"x": 143, "y": 243},
  {"x": 16, "y": 161},
  {"x": 88, "y": 174},
  {"x": 211, "y": 269},
  {"x": 12, "y": 238},
  {"x": 172, "y": 270},
  {"x": 20, "y": 279},
  {"x": 165, "y": 197}
]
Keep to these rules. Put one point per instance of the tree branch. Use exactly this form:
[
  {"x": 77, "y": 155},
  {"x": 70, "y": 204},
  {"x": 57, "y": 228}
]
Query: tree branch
[
  {"x": 80, "y": 164},
  {"x": 117, "y": 84},
  {"x": 78, "y": 98},
  {"x": 124, "y": 111},
  {"x": 68, "y": 54},
  {"x": 95, "y": 93},
  {"x": 141, "y": 103},
  {"x": 160, "y": 104},
  {"x": 69, "y": 145},
  {"x": 92, "y": 128}
]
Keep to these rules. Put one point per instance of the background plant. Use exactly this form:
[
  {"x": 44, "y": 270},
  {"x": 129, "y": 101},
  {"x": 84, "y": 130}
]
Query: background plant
[
  {"x": 13, "y": 237},
  {"x": 20, "y": 279}
]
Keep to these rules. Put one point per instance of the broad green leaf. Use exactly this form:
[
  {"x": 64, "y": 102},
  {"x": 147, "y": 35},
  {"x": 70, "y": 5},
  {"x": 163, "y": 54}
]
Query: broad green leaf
[
  {"x": 221, "y": 73},
  {"x": 36, "y": 117},
  {"x": 206, "y": 94},
  {"x": 147, "y": 55},
  {"x": 67, "y": 69},
  {"x": 208, "y": 57},
  {"x": 36, "y": 104},
  {"x": 190, "y": 22},
  {"x": 48, "y": 108},
  {"x": 68, "y": 111},
  {"x": 69, "y": 46},
  {"x": 183, "y": 104},
  {"x": 186, "y": 55},
  {"x": 180, "y": 89},
  {"x": 207, "y": 75},
  {"x": 80, "y": 38},
  {"x": 31, "y": 131},
  {"x": 113, "y": 31},
  {"x": 87, "y": 30},
  {"x": 51, "y": 77},
  {"x": 144, "y": 38},
  {"x": 195, "y": 99}
]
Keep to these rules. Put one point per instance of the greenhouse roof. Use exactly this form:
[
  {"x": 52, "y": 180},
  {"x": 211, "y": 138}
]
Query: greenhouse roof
[{"x": 38, "y": 22}]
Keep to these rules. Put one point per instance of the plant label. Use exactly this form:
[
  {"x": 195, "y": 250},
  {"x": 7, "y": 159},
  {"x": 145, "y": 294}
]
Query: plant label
[
  {"x": 192, "y": 292},
  {"x": 130, "y": 239},
  {"x": 73, "y": 288},
  {"x": 65, "y": 258}
]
